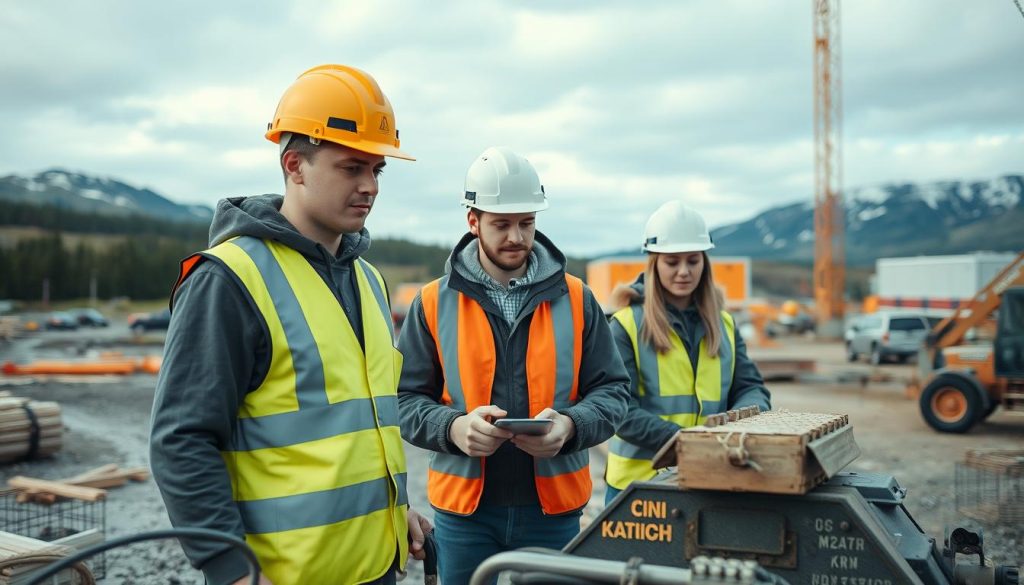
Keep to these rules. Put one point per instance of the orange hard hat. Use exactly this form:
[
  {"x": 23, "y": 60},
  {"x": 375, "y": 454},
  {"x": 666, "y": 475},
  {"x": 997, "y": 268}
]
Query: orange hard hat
[{"x": 339, "y": 104}]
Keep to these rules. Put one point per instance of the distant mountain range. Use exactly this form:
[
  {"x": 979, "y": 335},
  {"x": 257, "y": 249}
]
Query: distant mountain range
[
  {"x": 82, "y": 193},
  {"x": 908, "y": 219}
]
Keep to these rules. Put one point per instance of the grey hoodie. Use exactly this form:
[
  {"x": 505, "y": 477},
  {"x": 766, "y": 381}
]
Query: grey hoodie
[
  {"x": 216, "y": 352},
  {"x": 651, "y": 431},
  {"x": 602, "y": 378}
]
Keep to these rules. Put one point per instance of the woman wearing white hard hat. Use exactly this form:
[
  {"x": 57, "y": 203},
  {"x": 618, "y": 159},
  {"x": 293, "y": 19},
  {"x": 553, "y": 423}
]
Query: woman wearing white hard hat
[{"x": 684, "y": 354}]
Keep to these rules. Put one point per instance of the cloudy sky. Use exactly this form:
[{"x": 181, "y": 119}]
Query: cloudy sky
[{"x": 620, "y": 105}]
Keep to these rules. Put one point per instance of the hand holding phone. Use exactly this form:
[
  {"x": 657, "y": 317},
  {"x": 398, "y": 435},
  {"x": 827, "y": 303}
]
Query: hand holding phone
[
  {"x": 474, "y": 434},
  {"x": 551, "y": 441},
  {"x": 525, "y": 426}
]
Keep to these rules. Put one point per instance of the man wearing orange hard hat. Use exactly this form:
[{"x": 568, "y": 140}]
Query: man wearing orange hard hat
[{"x": 276, "y": 417}]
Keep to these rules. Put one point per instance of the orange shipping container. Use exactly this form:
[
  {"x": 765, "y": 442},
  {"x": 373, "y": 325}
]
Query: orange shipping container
[
  {"x": 732, "y": 276},
  {"x": 403, "y": 296}
]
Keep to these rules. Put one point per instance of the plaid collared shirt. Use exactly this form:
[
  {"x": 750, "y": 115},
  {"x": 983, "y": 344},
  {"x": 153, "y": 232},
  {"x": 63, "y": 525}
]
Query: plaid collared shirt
[{"x": 510, "y": 300}]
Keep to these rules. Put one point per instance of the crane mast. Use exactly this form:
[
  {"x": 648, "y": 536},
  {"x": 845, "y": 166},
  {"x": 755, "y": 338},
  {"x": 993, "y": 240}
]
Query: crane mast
[{"x": 829, "y": 212}]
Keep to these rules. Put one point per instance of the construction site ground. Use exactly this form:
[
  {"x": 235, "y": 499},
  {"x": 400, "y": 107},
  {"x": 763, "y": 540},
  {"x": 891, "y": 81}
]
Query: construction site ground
[{"x": 107, "y": 421}]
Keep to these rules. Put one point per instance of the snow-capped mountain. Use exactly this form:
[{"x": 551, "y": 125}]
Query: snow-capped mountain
[
  {"x": 79, "y": 192},
  {"x": 946, "y": 217}
]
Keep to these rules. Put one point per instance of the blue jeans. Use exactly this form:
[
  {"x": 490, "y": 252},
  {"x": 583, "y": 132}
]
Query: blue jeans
[
  {"x": 463, "y": 542},
  {"x": 610, "y": 494}
]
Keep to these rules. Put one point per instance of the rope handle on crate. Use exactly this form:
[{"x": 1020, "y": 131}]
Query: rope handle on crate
[
  {"x": 46, "y": 556},
  {"x": 738, "y": 455}
]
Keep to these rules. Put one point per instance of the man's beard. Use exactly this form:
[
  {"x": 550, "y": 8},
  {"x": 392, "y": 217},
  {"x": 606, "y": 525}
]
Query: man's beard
[{"x": 495, "y": 258}]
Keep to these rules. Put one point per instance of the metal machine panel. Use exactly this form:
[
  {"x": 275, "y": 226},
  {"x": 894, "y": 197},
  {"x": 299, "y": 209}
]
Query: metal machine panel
[{"x": 832, "y": 535}]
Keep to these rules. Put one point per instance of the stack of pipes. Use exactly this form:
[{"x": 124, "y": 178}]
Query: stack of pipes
[{"x": 29, "y": 429}]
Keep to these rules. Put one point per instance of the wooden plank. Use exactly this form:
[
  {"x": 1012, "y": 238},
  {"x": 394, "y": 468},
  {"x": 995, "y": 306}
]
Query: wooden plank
[
  {"x": 105, "y": 476},
  {"x": 18, "y": 544},
  {"x": 81, "y": 540},
  {"x": 23, "y": 425},
  {"x": 99, "y": 481},
  {"x": 113, "y": 478},
  {"x": 101, "y": 470},
  {"x": 12, "y": 402},
  {"x": 137, "y": 473},
  {"x": 61, "y": 489},
  {"x": 10, "y": 453},
  {"x": 35, "y": 496}
]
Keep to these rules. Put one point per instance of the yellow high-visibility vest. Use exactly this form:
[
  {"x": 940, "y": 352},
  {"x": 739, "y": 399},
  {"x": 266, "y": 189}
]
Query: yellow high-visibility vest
[
  {"x": 669, "y": 389},
  {"x": 316, "y": 461}
]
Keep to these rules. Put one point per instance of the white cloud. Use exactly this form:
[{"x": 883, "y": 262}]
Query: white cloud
[
  {"x": 566, "y": 37},
  {"x": 249, "y": 158},
  {"x": 620, "y": 107},
  {"x": 212, "y": 106}
]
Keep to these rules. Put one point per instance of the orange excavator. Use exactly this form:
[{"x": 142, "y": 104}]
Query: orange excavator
[{"x": 964, "y": 384}]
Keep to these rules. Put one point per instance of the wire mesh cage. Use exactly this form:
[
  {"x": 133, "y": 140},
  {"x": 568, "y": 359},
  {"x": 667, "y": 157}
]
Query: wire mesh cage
[
  {"x": 990, "y": 486},
  {"x": 75, "y": 524}
]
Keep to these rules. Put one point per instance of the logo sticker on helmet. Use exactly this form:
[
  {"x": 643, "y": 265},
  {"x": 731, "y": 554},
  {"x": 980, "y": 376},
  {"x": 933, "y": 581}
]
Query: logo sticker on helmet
[{"x": 384, "y": 124}]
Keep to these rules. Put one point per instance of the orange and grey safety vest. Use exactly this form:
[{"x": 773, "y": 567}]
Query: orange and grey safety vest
[
  {"x": 669, "y": 389},
  {"x": 316, "y": 462},
  {"x": 465, "y": 348}
]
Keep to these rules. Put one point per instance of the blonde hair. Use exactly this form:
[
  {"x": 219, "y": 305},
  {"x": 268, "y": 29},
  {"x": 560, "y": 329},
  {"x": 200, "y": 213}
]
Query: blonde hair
[{"x": 706, "y": 297}]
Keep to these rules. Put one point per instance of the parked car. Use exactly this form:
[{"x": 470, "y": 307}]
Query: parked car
[
  {"x": 885, "y": 335},
  {"x": 852, "y": 324},
  {"x": 150, "y": 321},
  {"x": 89, "y": 317},
  {"x": 61, "y": 320}
]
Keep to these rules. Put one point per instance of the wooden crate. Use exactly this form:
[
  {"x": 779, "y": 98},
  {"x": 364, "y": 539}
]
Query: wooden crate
[
  {"x": 777, "y": 452},
  {"x": 22, "y": 556}
]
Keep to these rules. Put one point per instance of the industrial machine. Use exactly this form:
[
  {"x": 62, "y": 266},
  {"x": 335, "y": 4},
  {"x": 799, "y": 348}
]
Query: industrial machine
[
  {"x": 964, "y": 384},
  {"x": 852, "y": 530},
  {"x": 546, "y": 567},
  {"x": 765, "y": 490}
]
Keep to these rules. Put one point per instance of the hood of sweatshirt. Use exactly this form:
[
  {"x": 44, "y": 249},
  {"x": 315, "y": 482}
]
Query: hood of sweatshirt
[{"x": 260, "y": 217}]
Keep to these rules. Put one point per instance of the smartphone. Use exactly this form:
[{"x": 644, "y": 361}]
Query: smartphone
[{"x": 525, "y": 426}]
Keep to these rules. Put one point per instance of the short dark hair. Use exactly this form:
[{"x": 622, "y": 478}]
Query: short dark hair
[
  {"x": 302, "y": 146},
  {"x": 476, "y": 212}
]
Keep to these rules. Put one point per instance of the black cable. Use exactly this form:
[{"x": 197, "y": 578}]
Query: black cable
[
  {"x": 33, "y": 433},
  {"x": 765, "y": 576},
  {"x": 430, "y": 552},
  {"x": 200, "y": 533}
]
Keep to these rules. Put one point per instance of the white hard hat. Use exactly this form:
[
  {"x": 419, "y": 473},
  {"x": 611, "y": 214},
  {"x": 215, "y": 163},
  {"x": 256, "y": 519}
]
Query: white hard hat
[
  {"x": 675, "y": 228},
  {"x": 501, "y": 181}
]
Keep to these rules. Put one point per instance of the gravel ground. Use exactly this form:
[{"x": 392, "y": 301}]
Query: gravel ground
[{"x": 107, "y": 421}]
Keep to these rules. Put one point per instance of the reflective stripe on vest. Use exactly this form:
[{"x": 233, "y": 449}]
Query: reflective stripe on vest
[
  {"x": 316, "y": 460},
  {"x": 669, "y": 389},
  {"x": 466, "y": 351}
]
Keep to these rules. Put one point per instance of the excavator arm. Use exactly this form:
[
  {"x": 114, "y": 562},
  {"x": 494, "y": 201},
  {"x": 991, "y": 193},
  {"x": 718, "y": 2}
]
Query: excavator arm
[{"x": 951, "y": 330}]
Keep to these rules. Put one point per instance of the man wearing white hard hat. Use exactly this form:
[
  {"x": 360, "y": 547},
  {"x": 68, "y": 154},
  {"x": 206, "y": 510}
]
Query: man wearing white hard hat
[
  {"x": 684, "y": 354},
  {"x": 507, "y": 335}
]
